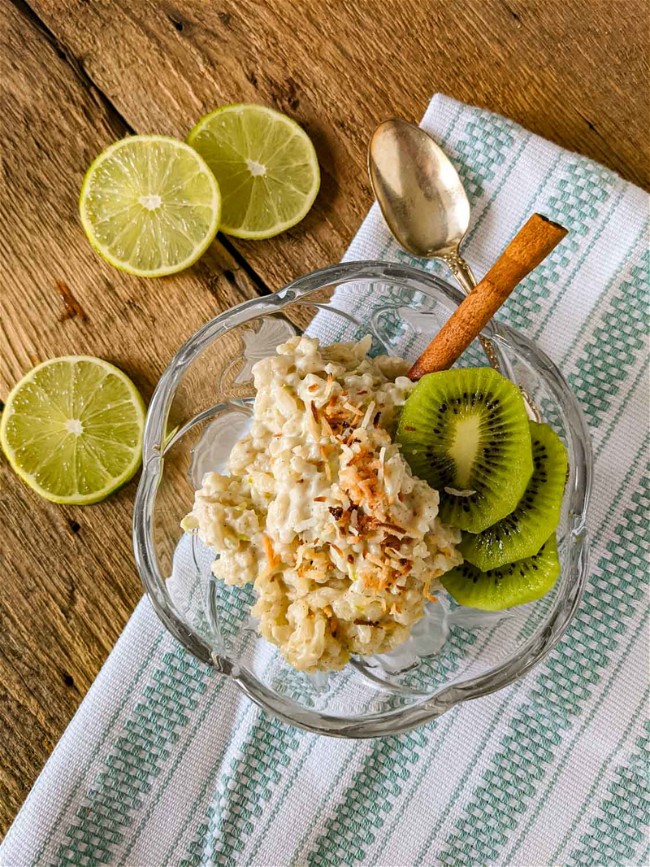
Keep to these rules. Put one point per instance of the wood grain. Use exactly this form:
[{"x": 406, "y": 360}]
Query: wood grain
[
  {"x": 68, "y": 579},
  {"x": 340, "y": 68},
  {"x": 574, "y": 71}
]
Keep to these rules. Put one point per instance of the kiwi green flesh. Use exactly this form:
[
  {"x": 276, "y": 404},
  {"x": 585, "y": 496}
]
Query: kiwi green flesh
[
  {"x": 467, "y": 431},
  {"x": 522, "y": 533},
  {"x": 514, "y": 584}
]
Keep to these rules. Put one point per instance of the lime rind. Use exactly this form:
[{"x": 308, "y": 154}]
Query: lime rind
[
  {"x": 58, "y": 450},
  {"x": 289, "y": 196},
  {"x": 148, "y": 235}
]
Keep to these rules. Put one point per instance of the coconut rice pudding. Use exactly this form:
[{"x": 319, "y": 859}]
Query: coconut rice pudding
[{"x": 320, "y": 511}]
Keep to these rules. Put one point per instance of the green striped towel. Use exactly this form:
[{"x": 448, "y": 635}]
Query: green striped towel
[{"x": 166, "y": 763}]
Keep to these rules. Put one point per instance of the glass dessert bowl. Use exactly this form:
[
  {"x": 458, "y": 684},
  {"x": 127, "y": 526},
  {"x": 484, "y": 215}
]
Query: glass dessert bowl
[{"x": 202, "y": 406}]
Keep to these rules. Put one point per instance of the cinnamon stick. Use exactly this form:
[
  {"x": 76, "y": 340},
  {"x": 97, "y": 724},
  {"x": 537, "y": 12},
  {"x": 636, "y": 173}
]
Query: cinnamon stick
[{"x": 528, "y": 248}]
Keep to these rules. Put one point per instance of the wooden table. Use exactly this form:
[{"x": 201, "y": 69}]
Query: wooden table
[{"x": 76, "y": 75}]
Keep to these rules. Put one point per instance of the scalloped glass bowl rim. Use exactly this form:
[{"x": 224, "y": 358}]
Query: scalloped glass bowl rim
[{"x": 395, "y": 721}]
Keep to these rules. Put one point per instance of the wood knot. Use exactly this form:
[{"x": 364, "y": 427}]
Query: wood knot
[{"x": 72, "y": 306}]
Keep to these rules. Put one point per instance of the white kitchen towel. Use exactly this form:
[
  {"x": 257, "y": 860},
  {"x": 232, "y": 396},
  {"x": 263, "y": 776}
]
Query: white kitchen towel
[{"x": 166, "y": 763}]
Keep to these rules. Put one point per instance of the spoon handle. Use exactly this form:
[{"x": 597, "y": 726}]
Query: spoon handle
[
  {"x": 463, "y": 274},
  {"x": 533, "y": 243}
]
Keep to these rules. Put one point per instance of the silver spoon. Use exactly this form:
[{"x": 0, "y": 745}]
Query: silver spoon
[
  {"x": 422, "y": 199},
  {"x": 426, "y": 207}
]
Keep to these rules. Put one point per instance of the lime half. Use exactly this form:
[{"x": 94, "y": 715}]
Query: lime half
[
  {"x": 266, "y": 167},
  {"x": 72, "y": 429},
  {"x": 150, "y": 205}
]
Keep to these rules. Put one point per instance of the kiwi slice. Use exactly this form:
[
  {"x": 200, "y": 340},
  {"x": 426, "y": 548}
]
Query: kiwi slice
[
  {"x": 513, "y": 584},
  {"x": 522, "y": 533},
  {"x": 466, "y": 433}
]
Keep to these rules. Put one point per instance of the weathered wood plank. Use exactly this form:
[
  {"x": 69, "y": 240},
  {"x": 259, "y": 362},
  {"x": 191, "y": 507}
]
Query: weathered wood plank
[
  {"x": 340, "y": 67},
  {"x": 574, "y": 71},
  {"x": 68, "y": 578}
]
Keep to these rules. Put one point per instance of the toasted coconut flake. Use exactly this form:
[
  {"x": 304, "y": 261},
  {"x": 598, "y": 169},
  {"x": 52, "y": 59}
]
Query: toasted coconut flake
[
  {"x": 353, "y": 409},
  {"x": 395, "y": 528},
  {"x": 272, "y": 559},
  {"x": 426, "y": 591},
  {"x": 366, "y": 487},
  {"x": 382, "y": 464},
  {"x": 368, "y": 415},
  {"x": 314, "y": 427}
]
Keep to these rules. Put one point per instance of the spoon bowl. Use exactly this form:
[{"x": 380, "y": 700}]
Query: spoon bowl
[{"x": 418, "y": 190}]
